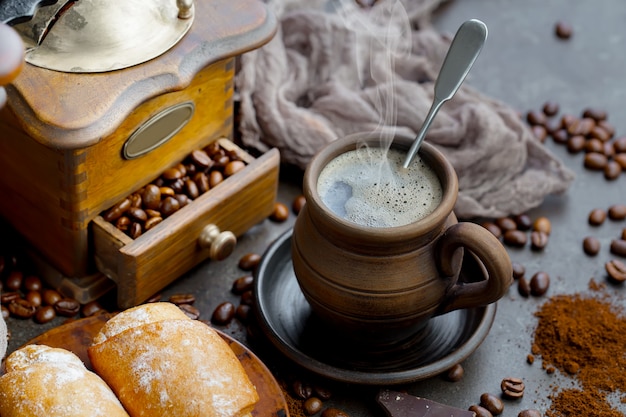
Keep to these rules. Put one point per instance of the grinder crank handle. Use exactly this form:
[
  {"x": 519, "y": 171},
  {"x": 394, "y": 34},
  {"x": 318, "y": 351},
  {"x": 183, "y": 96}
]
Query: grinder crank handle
[
  {"x": 489, "y": 252},
  {"x": 11, "y": 58}
]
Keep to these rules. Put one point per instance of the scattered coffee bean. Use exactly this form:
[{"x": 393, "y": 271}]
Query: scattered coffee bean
[
  {"x": 91, "y": 309},
  {"x": 480, "y": 411},
  {"x": 247, "y": 298},
  {"x": 298, "y": 204},
  {"x": 243, "y": 312},
  {"x": 322, "y": 393},
  {"x": 242, "y": 284},
  {"x": 620, "y": 158},
  {"x": 455, "y": 373},
  {"x": 515, "y": 238},
  {"x": 301, "y": 389},
  {"x": 597, "y": 217},
  {"x": 536, "y": 118},
  {"x": 45, "y": 314},
  {"x": 530, "y": 359},
  {"x": 312, "y": 405},
  {"x": 280, "y": 212},
  {"x": 223, "y": 313},
  {"x": 506, "y": 223},
  {"x": 33, "y": 283},
  {"x": 551, "y": 108},
  {"x": 529, "y": 413},
  {"x": 617, "y": 212},
  {"x": 538, "y": 240},
  {"x": 523, "y": 222},
  {"x": 9, "y": 296},
  {"x": 616, "y": 270},
  {"x": 542, "y": 224},
  {"x": 334, "y": 412},
  {"x": 612, "y": 170},
  {"x": 190, "y": 311},
  {"x": 518, "y": 270},
  {"x": 14, "y": 281},
  {"x": 523, "y": 287},
  {"x": 492, "y": 403},
  {"x": 618, "y": 247},
  {"x": 539, "y": 283},
  {"x": 512, "y": 387},
  {"x": 34, "y": 298},
  {"x": 21, "y": 308},
  {"x": 179, "y": 299},
  {"x": 249, "y": 261},
  {"x": 493, "y": 228},
  {"x": 623, "y": 234},
  {"x": 67, "y": 307},
  {"x": 595, "y": 161},
  {"x": 576, "y": 144},
  {"x": 591, "y": 245}
]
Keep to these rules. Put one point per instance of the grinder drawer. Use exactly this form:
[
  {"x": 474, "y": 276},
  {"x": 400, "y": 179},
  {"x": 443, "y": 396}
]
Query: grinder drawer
[{"x": 202, "y": 229}]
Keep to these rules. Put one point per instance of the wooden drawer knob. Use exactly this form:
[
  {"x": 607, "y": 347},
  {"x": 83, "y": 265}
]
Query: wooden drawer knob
[{"x": 220, "y": 244}]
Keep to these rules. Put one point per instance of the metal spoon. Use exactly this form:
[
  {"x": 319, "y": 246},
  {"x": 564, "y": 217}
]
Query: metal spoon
[{"x": 464, "y": 50}]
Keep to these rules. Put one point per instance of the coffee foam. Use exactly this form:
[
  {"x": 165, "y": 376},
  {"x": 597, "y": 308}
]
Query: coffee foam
[{"x": 370, "y": 187}]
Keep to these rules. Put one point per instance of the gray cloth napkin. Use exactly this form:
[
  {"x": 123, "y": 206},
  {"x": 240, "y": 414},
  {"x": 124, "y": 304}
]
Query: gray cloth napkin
[
  {"x": 336, "y": 68},
  {"x": 3, "y": 338}
]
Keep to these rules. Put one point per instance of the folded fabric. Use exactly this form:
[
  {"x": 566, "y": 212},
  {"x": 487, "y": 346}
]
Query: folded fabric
[
  {"x": 3, "y": 338},
  {"x": 335, "y": 67}
]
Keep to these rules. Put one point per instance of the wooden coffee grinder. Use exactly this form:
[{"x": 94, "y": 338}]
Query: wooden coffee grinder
[{"x": 112, "y": 94}]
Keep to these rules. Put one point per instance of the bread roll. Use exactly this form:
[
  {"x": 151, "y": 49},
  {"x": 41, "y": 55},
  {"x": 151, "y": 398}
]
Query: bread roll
[
  {"x": 43, "y": 381},
  {"x": 159, "y": 362}
]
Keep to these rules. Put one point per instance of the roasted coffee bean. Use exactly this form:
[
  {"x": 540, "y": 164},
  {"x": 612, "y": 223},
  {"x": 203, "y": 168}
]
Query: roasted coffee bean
[
  {"x": 595, "y": 114},
  {"x": 280, "y": 212},
  {"x": 536, "y": 118},
  {"x": 21, "y": 308},
  {"x": 220, "y": 161},
  {"x": 215, "y": 178},
  {"x": 178, "y": 186},
  {"x": 456, "y": 373},
  {"x": 242, "y": 312},
  {"x": 166, "y": 191},
  {"x": 135, "y": 200},
  {"x": 182, "y": 299},
  {"x": 191, "y": 189},
  {"x": 201, "y": 159},
  {"x": 607, "y": 149},
  {"x": 135, "y": 230},
  {"x": 171, "y": 174},
  {"x": 523, "y": 222},
  {"x": 190, "y": 311},
  {"x": 542, "y": 224},
  {"x": 9, "y": 296},
  {"x": 202, "y": 182},
  {"x": 5, "y": 312},
  {"x": 91, "y": 309},
  {"x": 45, "y": 314},
  {"x": 247, "y": 298},
  {"x": 169, "y": 205},
  {"x": 492, "y": 403},
  {"x": 14, "y": 281},
  {"x": 612, "y": 170},
  {"x": 213, "y": 149},
  {"x": 597, "y": 217},
  {"x": 538, "y": 240},
  {"x": 617, "y": 212},
  {"x": 32, "y": 283},
  {"x": 523, "y": 287},
  {"x": 298, "y": 204},
  {"x": 616, "y": 270},
  {"x": 243, "y": 284},
  {"x": 624, "y": 233},
  {"x": 576, "y": 144},
  {"x": 618, "y": 247},
  {"x": 151, "y": 222},
  {"x": 249, "y": 261},
  {"x": 480, "y": 411},
  {"x": 594, "y": 145},
  {"x": 539, "y": 283},
  {"x": 322, "y": 392},
  {"x": 67, "y": 307},
  {"x": 581, "y": 127},
  {"x": 50, "y": 297},
  {"x": 233, "y": 167},
  {"x": 540, "y": 132},
  {"x": 560, "y": 136},
  {"x": 518, "y": 270},
  {"x": 312, "y": 405},
  {"x": 34, "y": 298},
  {"x": 506, "y": 223},
  {"x": 515, "y": 238},
  {"x": 620, "y": 158},
  {"x": 117, "y": 210},
  {"x": 182, "y": 199},
  {"x": 155, "y": 298},
  {"x": 512, "y": 387},
  {"x": 493, "y": 228},
  {"x": 123, "y": 223},
  {"x": 301, "y": 389},
  {"x": 334, "y": 412},
  {"x": 137, "y": 214},
  {"x": 529, "y": 413},
  {"x": 550, "y": 108},
  {"x": 223, "y": 313},
  {"x": 151, "y": 197},
  {"x": 591, "y": 245},
  {"x": 595, "y": 161},
  {"x": 608, "y": 127},
  {"x": 563, "y": 30}
]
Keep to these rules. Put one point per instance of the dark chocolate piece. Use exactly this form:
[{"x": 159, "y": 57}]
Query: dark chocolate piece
[{"x": 397, "y": 404}]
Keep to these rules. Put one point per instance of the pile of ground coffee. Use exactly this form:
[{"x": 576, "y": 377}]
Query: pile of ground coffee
[{"x": 583, "y": 336}]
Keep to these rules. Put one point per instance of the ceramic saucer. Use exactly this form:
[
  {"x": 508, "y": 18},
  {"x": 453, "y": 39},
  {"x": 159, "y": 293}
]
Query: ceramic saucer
[{"x": 288, "y": 322}]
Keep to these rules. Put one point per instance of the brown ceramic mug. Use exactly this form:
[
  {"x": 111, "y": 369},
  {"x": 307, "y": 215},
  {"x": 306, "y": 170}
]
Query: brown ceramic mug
[{"x": 380, "y": 285}]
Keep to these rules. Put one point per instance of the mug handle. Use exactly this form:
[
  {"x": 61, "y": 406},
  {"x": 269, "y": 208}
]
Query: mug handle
[{"x": 489, "y": 251}]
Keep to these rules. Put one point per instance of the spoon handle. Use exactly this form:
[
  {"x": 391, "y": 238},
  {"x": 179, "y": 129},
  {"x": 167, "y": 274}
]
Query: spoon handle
[{"x": 464, "y": 50}]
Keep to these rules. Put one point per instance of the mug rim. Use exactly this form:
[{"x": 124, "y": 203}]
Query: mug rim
[{"x": 445, "y": 173}]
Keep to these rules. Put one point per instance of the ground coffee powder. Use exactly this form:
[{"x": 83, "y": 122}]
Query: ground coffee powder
[{"x": 583, "y": 336}]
